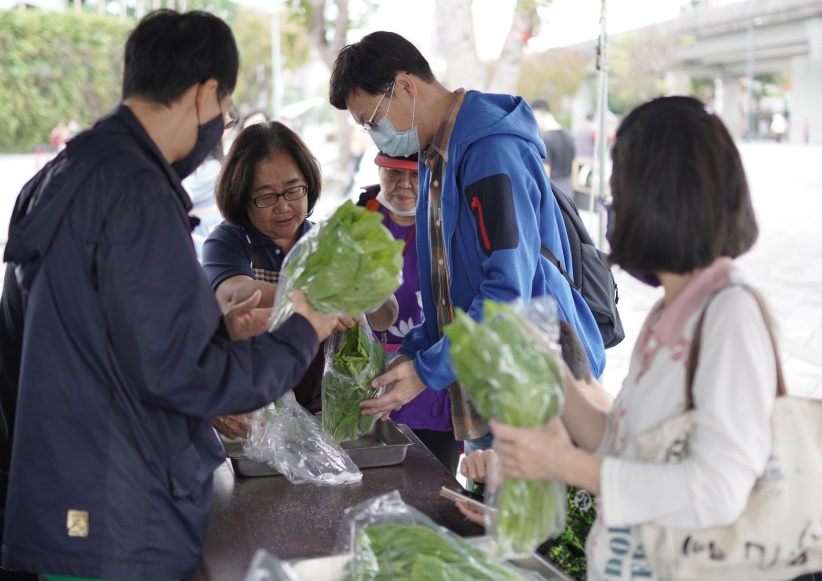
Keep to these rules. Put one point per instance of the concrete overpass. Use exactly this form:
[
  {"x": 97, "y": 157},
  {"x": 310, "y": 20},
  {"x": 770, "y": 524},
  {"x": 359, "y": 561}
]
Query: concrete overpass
[
  {"x": 717, "y": 41},
  {"x": 722, "y": 42}
]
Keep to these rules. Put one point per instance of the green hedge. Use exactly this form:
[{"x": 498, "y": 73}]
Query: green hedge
[{"x": 56, "y": 67}]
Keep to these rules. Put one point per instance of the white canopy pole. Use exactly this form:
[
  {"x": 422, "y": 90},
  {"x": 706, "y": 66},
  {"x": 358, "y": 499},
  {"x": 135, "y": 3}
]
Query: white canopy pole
[
  {"x": 276, "y": 62},
  {"x": 601, "y": 152}
]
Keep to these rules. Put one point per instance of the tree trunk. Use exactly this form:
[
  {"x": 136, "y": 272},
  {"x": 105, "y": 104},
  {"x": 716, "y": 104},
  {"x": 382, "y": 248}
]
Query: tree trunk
[
  {"x": 457, "y": 43},
  {"x": 328, "y": 50},
  {"x": 524, "y": 25}
]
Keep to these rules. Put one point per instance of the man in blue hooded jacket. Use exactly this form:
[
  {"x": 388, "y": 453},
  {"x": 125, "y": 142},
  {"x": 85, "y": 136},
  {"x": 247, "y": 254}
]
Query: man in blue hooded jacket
[
  {"x": 125, "y": 356},
  {"x": 484, "y": 210}
]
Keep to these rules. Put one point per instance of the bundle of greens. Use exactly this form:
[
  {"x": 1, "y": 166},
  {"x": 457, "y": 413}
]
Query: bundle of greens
[
  {"x": 348, "y": 264},
  {"x": 347, "y": 382},
  {"x": 568, "y": 550},
  {"x": 510, "y": 371},
  {"x": 420, "y": 553}
]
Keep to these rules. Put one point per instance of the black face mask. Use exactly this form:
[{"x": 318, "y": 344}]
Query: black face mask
[
  {"x": 208, "y": 136},
  {"x": 649, "y": 279}
]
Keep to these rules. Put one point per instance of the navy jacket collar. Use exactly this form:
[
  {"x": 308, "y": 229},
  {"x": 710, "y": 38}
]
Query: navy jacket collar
[{"x": 126, "y": 116}]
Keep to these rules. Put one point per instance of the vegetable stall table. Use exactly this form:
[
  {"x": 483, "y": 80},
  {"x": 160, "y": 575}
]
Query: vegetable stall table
[{"x": 295, "y": 522}]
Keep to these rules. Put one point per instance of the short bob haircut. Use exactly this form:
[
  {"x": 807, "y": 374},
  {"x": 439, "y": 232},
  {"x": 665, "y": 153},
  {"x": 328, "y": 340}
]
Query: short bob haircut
[
  {"x": 255, "y": 143},
  {"x": 371, "y": 65},
  {"x": 680, "y": 196},
  {"x": 169, "y": 52}
]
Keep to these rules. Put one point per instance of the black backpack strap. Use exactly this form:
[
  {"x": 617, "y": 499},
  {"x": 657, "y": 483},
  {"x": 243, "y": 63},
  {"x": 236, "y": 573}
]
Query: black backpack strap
[
  {"x": 569, "y": 214},
  {"x": 553, "y": 260}
]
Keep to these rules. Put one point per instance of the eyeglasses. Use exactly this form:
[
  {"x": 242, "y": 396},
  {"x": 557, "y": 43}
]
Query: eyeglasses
[
  {"x": 291, "y": 194},
  {"x": 231, "y": 117},
  {"x": 369, "y": 125}
]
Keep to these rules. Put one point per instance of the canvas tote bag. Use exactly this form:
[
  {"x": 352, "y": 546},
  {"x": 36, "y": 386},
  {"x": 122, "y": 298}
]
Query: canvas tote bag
[{"x": 779, "y": 534}]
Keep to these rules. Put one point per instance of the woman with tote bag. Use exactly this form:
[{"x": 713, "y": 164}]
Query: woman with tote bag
[{"x": 676, "y": 459}]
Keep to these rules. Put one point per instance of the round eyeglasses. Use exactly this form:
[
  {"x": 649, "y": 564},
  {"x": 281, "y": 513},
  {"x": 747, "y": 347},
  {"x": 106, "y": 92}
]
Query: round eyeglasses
[{"x": 291, "y": 194}]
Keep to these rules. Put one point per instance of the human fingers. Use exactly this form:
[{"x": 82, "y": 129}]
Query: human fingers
[
  {"x": 323, "y": 324},
  {"x": 346, "y": 322},
  {"x": 381, "y": 405},
  {"x": 388, "y": 378}
]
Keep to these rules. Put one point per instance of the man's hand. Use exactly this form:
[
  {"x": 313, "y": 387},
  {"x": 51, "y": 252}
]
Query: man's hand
[
  {"x": 477, "y": 466},
  {"x": 345, "y": 323},
  {"x": 237, "y": 426},
  {"x": 397, "y": 360},
  {"x": 323, "y": 324},
  {"x": 401, "y": 386},
  {"x": 244, "y": 320}
]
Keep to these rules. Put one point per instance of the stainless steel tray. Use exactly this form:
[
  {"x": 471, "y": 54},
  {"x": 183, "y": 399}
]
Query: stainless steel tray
[{"x": 386, "y": 445}]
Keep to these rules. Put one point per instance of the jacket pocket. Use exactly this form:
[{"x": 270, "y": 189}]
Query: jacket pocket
[{"x": 491, "y": 199}]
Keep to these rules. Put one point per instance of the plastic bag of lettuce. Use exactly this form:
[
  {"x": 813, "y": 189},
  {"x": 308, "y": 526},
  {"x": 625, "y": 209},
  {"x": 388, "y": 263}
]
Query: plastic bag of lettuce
[
  {"x": 509, "y": 365},
  {"x": 352, "y": 360},
  {"x": 350, "y": 263},
  {"x": 388, "y": 539}
]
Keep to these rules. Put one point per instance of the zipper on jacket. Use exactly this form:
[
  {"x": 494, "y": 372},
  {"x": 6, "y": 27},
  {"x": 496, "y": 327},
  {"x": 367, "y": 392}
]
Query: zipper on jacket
[{"x": 476, "y": 206}]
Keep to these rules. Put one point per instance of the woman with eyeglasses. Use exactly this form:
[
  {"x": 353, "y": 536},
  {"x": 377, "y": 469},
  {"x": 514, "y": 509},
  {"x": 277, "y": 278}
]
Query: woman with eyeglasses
[{"x": 267, "y": 189}]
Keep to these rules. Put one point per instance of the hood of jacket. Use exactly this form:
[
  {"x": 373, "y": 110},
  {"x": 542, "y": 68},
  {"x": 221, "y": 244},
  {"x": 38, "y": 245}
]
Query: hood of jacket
[
  {"x": 43, "y": 202},
  {"x": 484, "y": 114}
]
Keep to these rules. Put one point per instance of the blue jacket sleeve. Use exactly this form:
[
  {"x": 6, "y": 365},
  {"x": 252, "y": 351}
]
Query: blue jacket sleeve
[
  {"x": 416, "y": 340},
  {"x": 166, "y": 327},
  {"x": 504, "y": 175}
]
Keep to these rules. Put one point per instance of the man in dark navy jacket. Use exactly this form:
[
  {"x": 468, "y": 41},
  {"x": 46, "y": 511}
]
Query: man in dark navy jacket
[{"x": 125, "y": 354}]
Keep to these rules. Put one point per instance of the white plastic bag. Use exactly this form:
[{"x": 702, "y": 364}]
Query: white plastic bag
[
  {"x": 352, "y": 360},
  {"x": 388, "y": 539},
  {"x": 288, "y": 438},
  {"x": 511, "y": 368},
  {"x": 265, "y": 567},
  {"x": 349, "y": 263}
]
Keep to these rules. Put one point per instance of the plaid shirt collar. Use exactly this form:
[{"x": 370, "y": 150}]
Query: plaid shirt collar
[{"x": 443, "y": 135}]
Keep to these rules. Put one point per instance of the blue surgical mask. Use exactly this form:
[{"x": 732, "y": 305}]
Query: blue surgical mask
[
  {"x": 648, "y": 278},
  {"x": 208, "y": 136},
  {"x": 392, "y": 142}
]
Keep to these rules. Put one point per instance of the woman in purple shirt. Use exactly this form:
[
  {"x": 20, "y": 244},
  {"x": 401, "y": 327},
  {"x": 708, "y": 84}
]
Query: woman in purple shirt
[{"x": 428, "y": 415}]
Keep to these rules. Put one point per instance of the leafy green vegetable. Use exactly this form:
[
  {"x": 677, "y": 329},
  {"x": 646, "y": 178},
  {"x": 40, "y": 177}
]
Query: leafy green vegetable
[
  {"x": 351, "y": 264},
  {"x": 347, "y": 382},
  {"x": 511, "y": 375},
  {"x": 568, "y": 550},
  {"x": 420, "y": 553}
]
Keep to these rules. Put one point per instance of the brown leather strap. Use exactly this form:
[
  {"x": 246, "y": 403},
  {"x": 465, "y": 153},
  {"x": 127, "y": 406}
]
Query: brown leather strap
[{"x": 693, "y": 354}]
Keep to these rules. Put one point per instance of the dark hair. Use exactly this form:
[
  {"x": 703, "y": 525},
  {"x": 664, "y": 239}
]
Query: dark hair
[
  {"x": 372, "y": 64},
  {"x": 573, "y": 353},
  {"x": 169, "y": 52},
  {"x": 253, "y": 144},
  {"x": 680, "y": 194}
]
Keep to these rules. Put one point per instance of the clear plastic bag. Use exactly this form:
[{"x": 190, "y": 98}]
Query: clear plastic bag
[
  {"x": 265, "y": 567},
  {"x": 388, "y": 539},
  {"x": 349, "y": 263},
  {"x": 352, "y": 360},
  {"x": 510, "y": 366},
  {"x": 287, "y": 437}
]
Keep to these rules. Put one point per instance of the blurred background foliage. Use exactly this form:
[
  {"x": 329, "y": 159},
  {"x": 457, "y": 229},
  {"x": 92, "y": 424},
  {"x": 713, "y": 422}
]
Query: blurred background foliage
[{"x": 56, "y": 67}]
